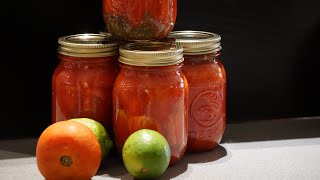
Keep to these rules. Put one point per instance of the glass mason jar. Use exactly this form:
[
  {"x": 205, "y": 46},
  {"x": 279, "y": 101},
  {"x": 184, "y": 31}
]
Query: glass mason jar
[
  {"x": 82, "y": 82},
  {"x": 139, "y": 20},
  {"x": 151, "y": 92},
  {"x": 207, "y": 82}
]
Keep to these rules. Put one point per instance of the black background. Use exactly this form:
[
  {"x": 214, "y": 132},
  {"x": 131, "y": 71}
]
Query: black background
[{"x": 270, "y": 52}]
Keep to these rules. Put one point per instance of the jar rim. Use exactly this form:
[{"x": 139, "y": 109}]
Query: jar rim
[
  {"x": 197, "y": 42},
  {"x": 151, "y": 53},
  {"x": 88, "y": 45}
]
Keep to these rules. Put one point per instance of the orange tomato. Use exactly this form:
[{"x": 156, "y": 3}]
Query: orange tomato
[{"x": 68, "y": 150}]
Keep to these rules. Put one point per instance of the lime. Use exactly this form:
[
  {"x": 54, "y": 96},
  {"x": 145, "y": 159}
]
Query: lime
[
  {"x": 100, "y": 132},
  {"x": 146, "y": 154}
]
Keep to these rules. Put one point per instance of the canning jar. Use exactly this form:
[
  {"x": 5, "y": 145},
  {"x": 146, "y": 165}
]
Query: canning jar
[
  {"x": 82, "y": 82},
  {"x": 207, "y": 83},
  {"x": 151, "y": 92},
  {"x": 139, "y": 20}
]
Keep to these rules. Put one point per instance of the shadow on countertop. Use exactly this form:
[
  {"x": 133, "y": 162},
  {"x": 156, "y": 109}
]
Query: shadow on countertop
[
  {"x": 277, "y": 129},
  {"x": 115, "y": 168},
  {"x": 194, "y": 158}
]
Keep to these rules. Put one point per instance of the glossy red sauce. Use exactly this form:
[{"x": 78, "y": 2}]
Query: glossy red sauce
[
  {"x": 82, "y": 87},
  {"x": 152, "y": 98},
  {"x": 207, "y": 101},
  {"x": 139, "y": 20}
]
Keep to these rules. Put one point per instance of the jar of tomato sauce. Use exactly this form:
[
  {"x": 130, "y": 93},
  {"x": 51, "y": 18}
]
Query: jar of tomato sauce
[
  {"x": 139, "y": 20},
  {"x": 151, "y": 92},
  {"x": 207, "y": 83},
  {"x": 82, "y": 82}
]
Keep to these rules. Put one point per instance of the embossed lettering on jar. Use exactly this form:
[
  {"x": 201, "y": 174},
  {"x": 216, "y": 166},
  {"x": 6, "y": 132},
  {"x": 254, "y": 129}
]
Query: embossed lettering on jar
[
  {"x": 151, "y": 92},
  {"x": 207, "y": 83},
  {"x": 139, "y": 20},
  {"x": 83, "y": 80}
]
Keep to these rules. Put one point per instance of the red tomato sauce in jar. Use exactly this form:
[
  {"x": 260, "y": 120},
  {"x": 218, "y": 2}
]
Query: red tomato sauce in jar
[
  {"x": 207, "y": 84},
  {"x": 82, "y": 82},
  {"x": 139, "y": 20},
  {"x": 151, "y": 92}
]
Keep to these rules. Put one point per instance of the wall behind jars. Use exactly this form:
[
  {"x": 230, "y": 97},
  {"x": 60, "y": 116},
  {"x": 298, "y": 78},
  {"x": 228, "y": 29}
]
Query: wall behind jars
[{"x": 270, "y": 52}]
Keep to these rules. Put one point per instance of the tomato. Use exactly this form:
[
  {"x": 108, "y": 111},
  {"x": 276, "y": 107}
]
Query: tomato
[{"x": 68, "y": 150}]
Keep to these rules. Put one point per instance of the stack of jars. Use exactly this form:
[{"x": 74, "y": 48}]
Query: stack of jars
[{"x": 141, "y": 75}]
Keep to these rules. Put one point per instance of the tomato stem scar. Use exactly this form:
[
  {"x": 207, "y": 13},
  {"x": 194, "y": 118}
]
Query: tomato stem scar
[{"x": 66, "y": 160}]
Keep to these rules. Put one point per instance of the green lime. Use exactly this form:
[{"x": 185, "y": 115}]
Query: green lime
[
  {"x": 146, "y": 154},
  {"x": 100, "y": 132}
]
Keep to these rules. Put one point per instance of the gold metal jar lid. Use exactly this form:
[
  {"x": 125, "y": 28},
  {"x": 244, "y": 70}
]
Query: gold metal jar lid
[
  {"x": 151, "y": 53},
  {"x": 197, "y": 42},
  {"x": 87, "y": 45}
]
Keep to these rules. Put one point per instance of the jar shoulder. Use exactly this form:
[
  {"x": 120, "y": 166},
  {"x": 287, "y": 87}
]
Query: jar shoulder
[{"x": 202, "y": 72}]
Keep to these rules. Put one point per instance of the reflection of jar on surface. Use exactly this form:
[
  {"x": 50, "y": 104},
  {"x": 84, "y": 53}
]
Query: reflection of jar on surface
[
  {"x": 82, "y": 82},
  {"x": 151, "y": 92},
  {"x": 207, "y": 83},
  {"x": 139, "y": 20}
]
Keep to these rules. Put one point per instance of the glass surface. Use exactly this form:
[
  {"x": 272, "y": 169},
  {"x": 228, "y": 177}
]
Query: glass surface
[
  {"x": 82, "y": 88},
  {"x": 139, "y": 20},
  {"x": 207, "y": 101},
  {"x": 152, "y": 98}
]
